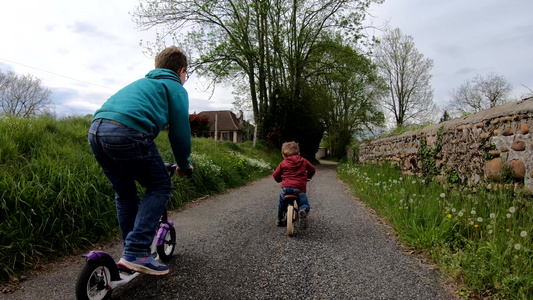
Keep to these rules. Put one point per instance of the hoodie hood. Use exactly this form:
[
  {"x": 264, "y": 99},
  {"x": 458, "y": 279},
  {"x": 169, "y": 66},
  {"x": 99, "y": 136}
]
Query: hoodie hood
[{"x": 163, "y": 74}]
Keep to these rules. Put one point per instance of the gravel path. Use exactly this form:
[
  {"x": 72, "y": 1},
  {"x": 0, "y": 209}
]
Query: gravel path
[{"x": 229, "y": 248}]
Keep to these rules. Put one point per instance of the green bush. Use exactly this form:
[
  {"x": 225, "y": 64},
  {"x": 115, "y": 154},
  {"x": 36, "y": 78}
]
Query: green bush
[{"x": 55, "y": 199}]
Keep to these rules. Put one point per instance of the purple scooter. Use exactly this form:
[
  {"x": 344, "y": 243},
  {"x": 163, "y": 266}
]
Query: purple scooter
[{"x": 101, "y": 274}]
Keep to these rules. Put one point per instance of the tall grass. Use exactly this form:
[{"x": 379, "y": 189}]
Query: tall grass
[
  {"x": 481, "y": 239},
  {"x": 55, "y": 200}
]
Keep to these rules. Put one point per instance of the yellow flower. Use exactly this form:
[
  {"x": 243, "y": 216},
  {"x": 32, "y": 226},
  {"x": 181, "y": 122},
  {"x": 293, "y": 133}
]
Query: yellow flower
[
  {"x": 400, "y": 207},
  {"x": 362, "y": 190},
  {"x": 476, "y": 226},
  {"x": 449, "y": 216}
]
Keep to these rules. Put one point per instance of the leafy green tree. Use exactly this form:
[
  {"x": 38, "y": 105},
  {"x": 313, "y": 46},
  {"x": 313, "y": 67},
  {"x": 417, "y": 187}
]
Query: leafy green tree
[
  {"x": 410, "y": 97},
  {"x": 349, "y": 89},
  {"x": 265, "y": 43}
]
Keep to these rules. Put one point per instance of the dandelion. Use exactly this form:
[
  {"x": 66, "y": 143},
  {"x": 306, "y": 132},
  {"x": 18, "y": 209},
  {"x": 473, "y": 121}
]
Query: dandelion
[
  {"x": 411, "y": 201},
  {"x": 512, "y": 209},
  {"x": 490, "y": 231},
  {"x": 362, "y": 190},
  {"x": 471, "y": 223},
  {"x": 492, "y": 215},
  {"x": 400, "y": 207},
  {"x": 480, "y": 219},
  {"x": 518, "y": 246},
  {"x": 413, "y": 182},
  {"x": 449, "y": 216},
  {"x": 508, "y": 216},
  {"x": 489, "y": 227},
  {"x": 523, "y": 234},
  {"x": 454, "y": 210},
  {"x": 401, "y": 178},
  {"x": 473, "y": 212},
  {"x": 460, "y": 214},
  {"x": 476, "y": 226},
  {"x": 442, "y": 195}
]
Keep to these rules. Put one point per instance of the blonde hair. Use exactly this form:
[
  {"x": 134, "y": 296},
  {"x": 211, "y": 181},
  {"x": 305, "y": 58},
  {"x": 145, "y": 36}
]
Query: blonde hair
[
  {"x": 172, "y": 58},
  {"x": 290, "y": 148}
]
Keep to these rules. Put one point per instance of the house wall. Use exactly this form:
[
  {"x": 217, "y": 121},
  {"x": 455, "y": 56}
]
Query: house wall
[{"x": 479, "y": 149}]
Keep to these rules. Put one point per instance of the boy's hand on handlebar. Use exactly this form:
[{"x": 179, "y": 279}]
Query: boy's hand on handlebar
[{"x": 187, "y": 173}]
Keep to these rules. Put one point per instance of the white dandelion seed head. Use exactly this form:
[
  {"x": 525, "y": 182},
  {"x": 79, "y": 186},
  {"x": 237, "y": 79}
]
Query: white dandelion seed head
[
  {"x": 471, "y": 223},
  {"x": 442, "y": 195},
  {"x": 473, "y": 212},
  {"x": 512, "y": 209},
  {"x": 523, "y": 234},
  {"x": 411, "y": 201},
  {"x": 492, "y": 215},
  {"x": 480, "y": 219},
  {"x": 490, "y": 231},
  {"x": 413, "y": 182},
  {"x": 518, "y": 246},
  {"x": 460, "y": 214},
  {"x": 508, "y": 216},
  {"x": 489, "y": 226},
  {"x": 454, "y": 210}
]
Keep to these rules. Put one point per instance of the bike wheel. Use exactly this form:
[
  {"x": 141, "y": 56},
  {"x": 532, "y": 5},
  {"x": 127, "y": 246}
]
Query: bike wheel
[
  {"x": 93, "y": 280},
  {"x": 166, "y": 250},
  {"x": 290, "y": 218}
]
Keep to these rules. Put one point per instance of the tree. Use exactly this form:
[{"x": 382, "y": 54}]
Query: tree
[
  {"x": 265, "y": 43},
  {"x": 406, "y": 72},
  {"x": 478, "y": 94},
  {"x": 23, "y": 96},
  {"x": 349, "y": 89},
  {"x": 199, "y": 125}
]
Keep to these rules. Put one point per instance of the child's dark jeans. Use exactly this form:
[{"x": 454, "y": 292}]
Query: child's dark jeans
[
  {"x": 303, "y": 202},
  {"x": 127, "y": 155}
]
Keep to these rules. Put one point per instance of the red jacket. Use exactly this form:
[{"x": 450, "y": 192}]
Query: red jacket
[{"x": 293, "y": 171}]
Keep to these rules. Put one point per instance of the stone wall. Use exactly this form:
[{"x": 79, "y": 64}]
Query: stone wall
[{"x": 479, "y": 149}]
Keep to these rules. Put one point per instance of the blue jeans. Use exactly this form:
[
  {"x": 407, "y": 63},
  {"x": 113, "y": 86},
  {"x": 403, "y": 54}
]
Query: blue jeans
[
  {"x": 303, "y": 202},
  {"x": 127, "y": 155}
]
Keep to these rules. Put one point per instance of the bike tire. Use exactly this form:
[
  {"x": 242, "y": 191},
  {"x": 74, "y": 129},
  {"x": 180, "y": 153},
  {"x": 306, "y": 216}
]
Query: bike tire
[
  {"x": 166, "y": 250},
  {"x": 290, "y": 218},
  {"x": 92, "y": 280}
]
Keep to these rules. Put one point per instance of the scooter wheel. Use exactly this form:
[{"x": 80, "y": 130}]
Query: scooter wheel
[
  {"x": 166, "y": 250},
  {"x": 290, "y": 218},
  {"x": 93, "y": 280}
]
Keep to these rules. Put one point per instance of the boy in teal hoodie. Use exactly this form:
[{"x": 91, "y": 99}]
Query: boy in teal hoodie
[{"x": 121, "y": 138}]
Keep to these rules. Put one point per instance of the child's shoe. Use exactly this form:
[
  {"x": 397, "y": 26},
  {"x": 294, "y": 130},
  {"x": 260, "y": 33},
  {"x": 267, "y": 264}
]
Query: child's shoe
[
  {"x": 281, "y": 221},
  {"x": 302, "y": 214},
  {"x": 145, "y": 265}
]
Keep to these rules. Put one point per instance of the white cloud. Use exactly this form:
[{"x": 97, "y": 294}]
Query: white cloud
[{"x": 87, "y": 50}]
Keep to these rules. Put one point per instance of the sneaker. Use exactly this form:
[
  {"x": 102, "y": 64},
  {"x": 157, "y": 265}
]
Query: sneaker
[
  {"x": 281, "y": 220},
  {"x": 145, "y": 265},
  {"x": 302, "y": 214}
]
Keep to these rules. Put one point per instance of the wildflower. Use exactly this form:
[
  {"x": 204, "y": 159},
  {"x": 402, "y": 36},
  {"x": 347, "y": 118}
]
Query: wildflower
[
  {"x": 489, "y": 227},
  {"x": 460, "y": 214},
  {"x": 471, "y": 223},
  {"x": 449, "y": 216},
  {"x": 473, "y": 212},
  {"x": 413, "y": 182},
  {"x": 362, "y": 190},
  {"x": 401, "y": 178},
  {"x": 442, "y": 195},
  {"x": 454, "y": 210},
  {"x": 518, "y": 246},
  {"x": 512, "y": 209},
  {"x": 476, "y": 226},
  {"x": 400, "y": 207},
  {"x": 508, "y": 216},
  {"x": 523, "y": 234},
  {"x": 490, "y": 231},
  {"x": 492, "y": 215},
  {"x": 480, "y": 219}
]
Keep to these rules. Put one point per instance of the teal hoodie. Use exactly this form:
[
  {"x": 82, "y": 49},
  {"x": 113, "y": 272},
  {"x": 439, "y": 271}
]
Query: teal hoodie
[{"x": 150, "y": 103}]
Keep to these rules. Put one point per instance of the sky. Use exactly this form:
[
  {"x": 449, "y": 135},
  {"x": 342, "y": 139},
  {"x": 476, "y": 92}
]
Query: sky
[{"x": 85, "y": 51}]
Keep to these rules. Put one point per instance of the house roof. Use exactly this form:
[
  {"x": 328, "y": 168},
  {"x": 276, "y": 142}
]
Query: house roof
[{"x": 226, "y": 120}]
